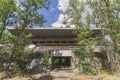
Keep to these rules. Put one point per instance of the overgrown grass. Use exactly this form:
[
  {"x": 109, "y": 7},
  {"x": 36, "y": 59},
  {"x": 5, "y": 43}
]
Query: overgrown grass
[{"x": 0, "y": 74}]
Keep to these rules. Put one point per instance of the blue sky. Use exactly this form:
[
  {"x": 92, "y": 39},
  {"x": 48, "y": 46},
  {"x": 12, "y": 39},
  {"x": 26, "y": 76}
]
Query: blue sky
[{"x": 51, "y": 15}]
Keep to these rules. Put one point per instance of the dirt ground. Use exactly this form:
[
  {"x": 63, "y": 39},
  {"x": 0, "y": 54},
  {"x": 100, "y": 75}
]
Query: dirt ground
[{"x": 67, "y": 75}]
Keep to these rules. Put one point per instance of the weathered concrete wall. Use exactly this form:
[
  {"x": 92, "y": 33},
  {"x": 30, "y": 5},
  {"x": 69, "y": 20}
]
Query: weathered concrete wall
[{"x": 62, "y": 53}]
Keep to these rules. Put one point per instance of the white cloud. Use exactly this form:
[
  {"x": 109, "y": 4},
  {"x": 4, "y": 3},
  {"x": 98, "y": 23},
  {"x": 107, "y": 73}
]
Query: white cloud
[
  {"x": 59, "y": 22},
  {"x": 72, "y": 26},
  {"x": 63, "y": 5},
  {"x": 61, "y": 19},
  {"x": 58, "y": 25}
]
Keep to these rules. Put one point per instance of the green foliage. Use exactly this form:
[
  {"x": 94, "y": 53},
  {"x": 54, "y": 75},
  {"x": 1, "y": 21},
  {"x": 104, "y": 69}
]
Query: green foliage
[
  {"x": 105, "y": 16},
  {"x": 26, "y": 14},
  {"x": 7, "y": 38},
  {"x": 6, "y": 8},
  {"x": 86, "y": 61},
  {"x": 86, "y": 39},
  {"x": 55, "y": 62},
  {"x": 46, "y": 57},
  {"x": 108, "y": 13},
  {"x": 63, "y": 60},
  {"x": 60, "y": 60},
  {"x": 88, "y": 69},
  {"x": 14, "y": 61},
  {"x": 20, "y": 14},
  {"x": 46, "y": 66}
]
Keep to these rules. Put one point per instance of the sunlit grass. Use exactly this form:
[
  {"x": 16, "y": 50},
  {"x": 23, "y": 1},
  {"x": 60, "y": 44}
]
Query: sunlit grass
[{"x": 1, "y": 75}]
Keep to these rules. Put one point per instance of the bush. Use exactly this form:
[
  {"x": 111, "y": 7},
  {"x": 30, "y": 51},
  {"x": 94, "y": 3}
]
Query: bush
[{"x": 86, "y": 62}]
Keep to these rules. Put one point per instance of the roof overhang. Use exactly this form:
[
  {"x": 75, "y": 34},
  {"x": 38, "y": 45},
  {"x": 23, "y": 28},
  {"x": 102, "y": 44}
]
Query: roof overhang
[
  {"x": 52, "y": 32},
  {"x": 49, "y": 32}
]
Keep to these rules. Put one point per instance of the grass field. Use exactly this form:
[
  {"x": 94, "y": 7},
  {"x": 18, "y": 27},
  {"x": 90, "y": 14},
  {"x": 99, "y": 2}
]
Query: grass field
[{"x": 67, "y": 75}]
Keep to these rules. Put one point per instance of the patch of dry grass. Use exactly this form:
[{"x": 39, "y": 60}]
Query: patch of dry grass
[
  {"x": 104, "y": 76},
  {"x": 1, "y": 75},
  {"x": 77, "y": 76}
]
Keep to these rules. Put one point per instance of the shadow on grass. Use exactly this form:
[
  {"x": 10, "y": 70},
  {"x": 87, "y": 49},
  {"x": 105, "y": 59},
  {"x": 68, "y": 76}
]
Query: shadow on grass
[{"x": 44, "y": 78}]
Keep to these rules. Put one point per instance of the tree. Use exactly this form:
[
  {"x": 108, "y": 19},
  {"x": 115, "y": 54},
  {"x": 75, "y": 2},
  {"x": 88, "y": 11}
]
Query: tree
[
  {"x": 6, "y": 8},
  {"x": 103, "y": 14},
  {"x": 86, "y": 39},
  {"x": 24, "y": 14},
  {"x": 107, "y": 15},
  {"x": 7, "y": 38}
]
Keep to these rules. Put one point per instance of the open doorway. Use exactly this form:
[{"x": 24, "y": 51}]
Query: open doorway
[{"x": 61, "y": 61}]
